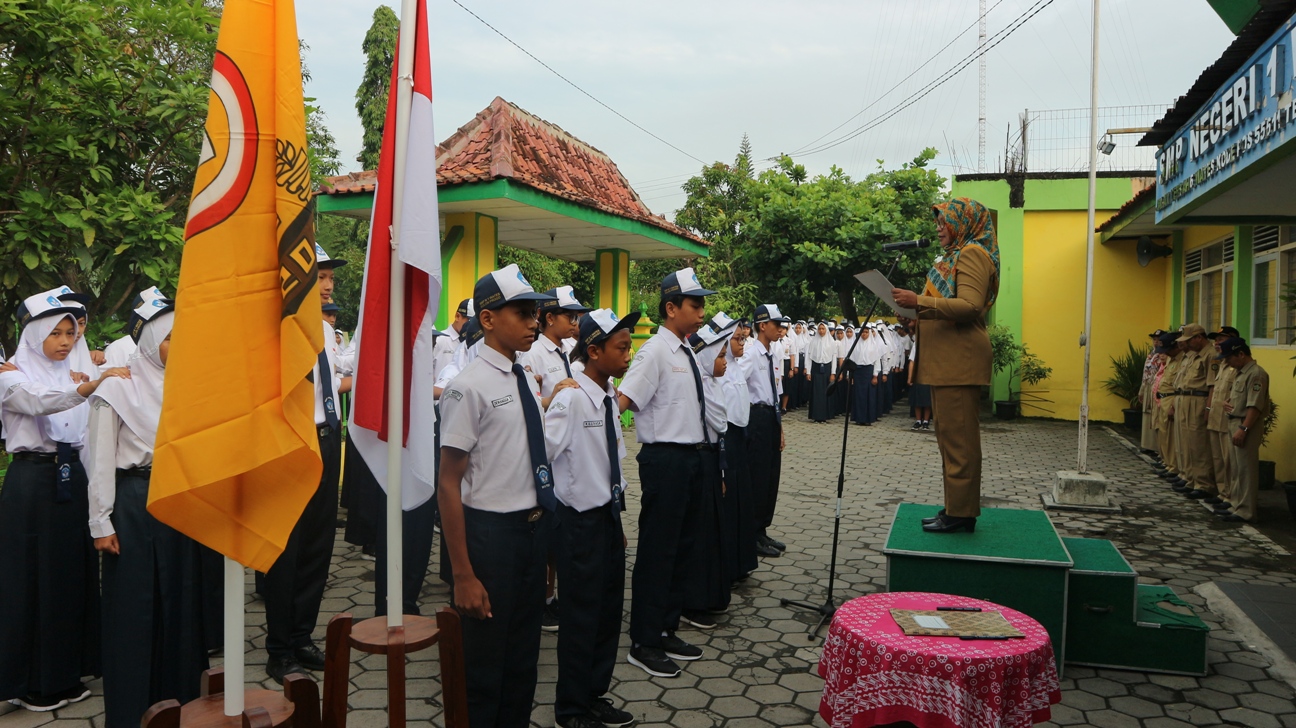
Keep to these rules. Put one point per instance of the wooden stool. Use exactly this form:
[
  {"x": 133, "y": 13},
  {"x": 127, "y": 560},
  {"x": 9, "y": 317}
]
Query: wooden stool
[
  {"x": 373, "y": 636},
  {"x": 297, "y": 707}
]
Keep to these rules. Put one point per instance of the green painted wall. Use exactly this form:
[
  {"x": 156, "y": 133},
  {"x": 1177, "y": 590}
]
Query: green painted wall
[{"x": 1243, "y": 238}]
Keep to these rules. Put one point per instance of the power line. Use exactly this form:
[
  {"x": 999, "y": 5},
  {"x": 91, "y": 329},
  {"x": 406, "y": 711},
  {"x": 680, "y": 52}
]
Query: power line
[
  {"x": 898, "y": 83},
  {"x": 572, "y": 84},
  {"x": 949, "y": 75}
]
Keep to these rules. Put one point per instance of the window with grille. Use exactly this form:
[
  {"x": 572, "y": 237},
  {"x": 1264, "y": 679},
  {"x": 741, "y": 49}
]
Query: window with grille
[
  {"x": 1273, "y": 320},
  {"x": 1208, "y": 273}
]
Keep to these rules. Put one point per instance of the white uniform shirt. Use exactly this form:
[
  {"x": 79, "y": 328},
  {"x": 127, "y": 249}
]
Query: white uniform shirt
[
  {"x": 758, "y": 374},
  {"x": 736, "y": 395},
  {"x": 23, "y": 402},
  {"x": 331, "y": 351},
  {"x": 545, "y": 359},
  {"x": 481, "y": 414},
  {"x": 713, "y": 392},
  {"x": 660, "y": 383},
  {"x": 444, "y": 351},
  {"x": 576, "y": 442},
  {"x": 346, "y": 358},
  {"x": 792, "y": 350},
  {"x": 111, "y": 445},
  {"x": 118, "y": 353}
]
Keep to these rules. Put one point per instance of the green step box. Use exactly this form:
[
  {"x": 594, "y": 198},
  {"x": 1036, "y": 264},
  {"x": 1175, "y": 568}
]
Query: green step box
[
  {"x": 1015, "y": 558},
  {"x": 1113, "y": 621}
]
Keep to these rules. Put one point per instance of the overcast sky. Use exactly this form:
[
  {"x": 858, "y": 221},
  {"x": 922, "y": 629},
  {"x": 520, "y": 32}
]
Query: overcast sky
[{"x": 700, "y": 73}]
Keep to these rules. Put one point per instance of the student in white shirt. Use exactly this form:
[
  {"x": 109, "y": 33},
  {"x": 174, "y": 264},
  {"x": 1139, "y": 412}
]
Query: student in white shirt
[
  {"x": 765, "y": 427},
  {"x": 664, "y": 388},
  {"x": 547, "y": 358},
  {"x": 583, "y": 440},
  {"x": 294, "y": 587},
  {"x": 153, "y": 647},
  {"x": 821, "y": 360},
  {"x": 49, "y": 598},
  {"x": 497, "y": 500},
  {"x": 739, "y": 508},
  {"x": 710, "y": 593}
]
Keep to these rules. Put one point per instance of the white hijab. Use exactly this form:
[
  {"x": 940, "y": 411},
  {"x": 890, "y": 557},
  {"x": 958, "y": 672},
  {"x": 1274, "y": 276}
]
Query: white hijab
[
  {"x": 823, "y": 350},
  {"x": 138, "y": 400},
  {"x": 70, "y": 425}
]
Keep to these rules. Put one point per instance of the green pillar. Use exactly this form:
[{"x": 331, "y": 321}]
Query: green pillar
[{"x": 1243, "y": 257}]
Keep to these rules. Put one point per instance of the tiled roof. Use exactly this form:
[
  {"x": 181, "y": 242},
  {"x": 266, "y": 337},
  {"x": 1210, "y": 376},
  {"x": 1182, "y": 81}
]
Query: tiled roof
[
  {"x": 506, "y": 142},
  {"x": 1135, "y": 206}
]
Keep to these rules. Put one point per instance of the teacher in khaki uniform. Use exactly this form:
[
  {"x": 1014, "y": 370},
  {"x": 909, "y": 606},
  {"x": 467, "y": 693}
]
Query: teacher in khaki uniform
[
  {"x": 1194, "y": 381},
  {"x": 961, "y": 287},
  {"x": 1247, "y": 408}
]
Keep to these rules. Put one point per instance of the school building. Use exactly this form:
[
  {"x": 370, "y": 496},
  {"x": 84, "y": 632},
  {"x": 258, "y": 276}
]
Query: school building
[
  {"x": 1219, "y": 205},
  {"x": 508, "y": 176}
]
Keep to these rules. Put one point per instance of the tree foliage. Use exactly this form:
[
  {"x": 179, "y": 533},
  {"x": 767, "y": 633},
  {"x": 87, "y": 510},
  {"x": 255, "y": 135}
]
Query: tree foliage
[
  {"x": 101, "y": 114},
  {"x": 379, "y": 48}
]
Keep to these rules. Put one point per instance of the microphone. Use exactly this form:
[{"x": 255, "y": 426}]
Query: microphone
[{"x": 905, "y": 245}]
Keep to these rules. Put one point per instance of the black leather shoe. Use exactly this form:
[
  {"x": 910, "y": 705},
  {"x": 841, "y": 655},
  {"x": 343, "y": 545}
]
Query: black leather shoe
[
  {"x": 309, "y": 657},
  {"x": 764, "y": 549},
  {"x": 1213, "y": 500},
  {"x": 1196, "y": 494},
  {"x": 1223, "y": 508},
  {"x": 1230, "y": 518},
  {"x": 934, "y": 518},
  {"x": 950, "y": 524},
  {"x": 1182, "y": 489},
  {"x": 280, "y": 667}
]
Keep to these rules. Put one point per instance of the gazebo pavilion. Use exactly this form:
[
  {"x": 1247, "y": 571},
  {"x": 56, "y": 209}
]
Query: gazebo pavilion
[{"x": 511, "y": 177}]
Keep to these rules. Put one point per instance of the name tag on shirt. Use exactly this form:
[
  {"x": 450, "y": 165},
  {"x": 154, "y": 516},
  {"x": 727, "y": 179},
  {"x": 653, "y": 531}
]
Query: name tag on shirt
[
  {"x": 554, "y": 369},
  {"x": 501, "y": 401},
  {"x": 593, "y": 423},
  {"x": 679, "y": 370}
]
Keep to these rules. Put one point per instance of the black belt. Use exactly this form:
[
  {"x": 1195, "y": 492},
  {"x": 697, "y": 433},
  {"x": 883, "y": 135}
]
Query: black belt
[
  {"x": 42, "y": 457},
  {"x": 1163, "y": 396},
  {"x": 1193, "y": 393},
  {"x": 762, "y": 405},
  {"x": 141, "y": 472},
  {"x": 1237, "y": 417},
  {"x": 527, "y": 516},
  {"x": 682, "y": 445}
]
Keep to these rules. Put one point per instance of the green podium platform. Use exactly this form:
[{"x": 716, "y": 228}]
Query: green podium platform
[
  {"x": 1083, "y": 591},
  {"x": 1015, "y": 558}
]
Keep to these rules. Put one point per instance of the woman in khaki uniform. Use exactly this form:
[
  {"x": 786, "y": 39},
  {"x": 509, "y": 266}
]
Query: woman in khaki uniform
[{"x": 961, "y": 287}]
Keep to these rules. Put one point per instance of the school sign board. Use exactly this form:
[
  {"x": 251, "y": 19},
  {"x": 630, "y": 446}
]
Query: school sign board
[{"x": 1251, "y": 116}]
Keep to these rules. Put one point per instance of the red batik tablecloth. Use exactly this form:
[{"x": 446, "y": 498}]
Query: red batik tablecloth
[{"x": 874, "y": 674}]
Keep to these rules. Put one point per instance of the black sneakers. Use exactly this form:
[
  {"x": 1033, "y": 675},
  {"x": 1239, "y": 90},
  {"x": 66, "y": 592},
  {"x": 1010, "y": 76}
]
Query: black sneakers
[
  {"x": 698, "y": 619},
  {"x": 604, "y": 712},
  {"x": 39, "y": 703},
  {"x": 678, "y": 649},
  {"x": 579, "y": 721},
  {"x": 549, "y": 621},
  {"x": 653, "y": 661}
]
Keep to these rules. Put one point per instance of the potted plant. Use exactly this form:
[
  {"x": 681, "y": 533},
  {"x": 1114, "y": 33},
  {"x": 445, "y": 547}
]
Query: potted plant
[
  {"x": 1126, "y": 381},
  {"x": 1021, "y": 365},
  {"x": 1268, "y": 468}
]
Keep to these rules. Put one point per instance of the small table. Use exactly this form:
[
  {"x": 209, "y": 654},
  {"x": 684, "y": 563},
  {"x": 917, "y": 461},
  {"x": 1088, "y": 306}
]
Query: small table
[{"x": 874, "y": 674}]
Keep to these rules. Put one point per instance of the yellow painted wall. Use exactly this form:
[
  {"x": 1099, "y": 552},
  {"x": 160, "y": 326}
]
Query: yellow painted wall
[
  {"x": 1277, "y": 361},
  {"x": 1129, "y": 302}
]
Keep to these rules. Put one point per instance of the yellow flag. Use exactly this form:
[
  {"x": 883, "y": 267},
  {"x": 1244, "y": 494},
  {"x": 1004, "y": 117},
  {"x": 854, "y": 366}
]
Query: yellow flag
[{"x": 237, "y": 457}]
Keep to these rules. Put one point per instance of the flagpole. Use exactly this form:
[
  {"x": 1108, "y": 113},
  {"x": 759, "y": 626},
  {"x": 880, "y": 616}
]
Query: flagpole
[
  {"x": 234, "y": 633},
  {"x": 396, "y": 322}
]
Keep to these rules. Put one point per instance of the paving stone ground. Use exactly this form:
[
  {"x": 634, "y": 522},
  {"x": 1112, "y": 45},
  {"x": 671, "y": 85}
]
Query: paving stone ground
[{"x": 759, "y": 669}]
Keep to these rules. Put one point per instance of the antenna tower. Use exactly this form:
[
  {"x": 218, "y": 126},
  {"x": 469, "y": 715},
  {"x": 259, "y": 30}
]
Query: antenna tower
[{"x": 981, "y": 89}]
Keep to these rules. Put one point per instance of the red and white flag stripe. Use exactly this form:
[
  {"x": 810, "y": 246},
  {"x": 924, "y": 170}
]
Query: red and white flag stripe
[{"x": 420, "y": 250}]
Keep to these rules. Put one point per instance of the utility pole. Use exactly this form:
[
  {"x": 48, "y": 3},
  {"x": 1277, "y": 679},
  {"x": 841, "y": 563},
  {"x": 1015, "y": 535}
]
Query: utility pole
[{"x": 981, "y": 89}]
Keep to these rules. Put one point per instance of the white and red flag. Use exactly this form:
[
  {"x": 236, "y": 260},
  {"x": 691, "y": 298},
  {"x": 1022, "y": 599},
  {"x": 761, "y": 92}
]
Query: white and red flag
[{"x": 419, "y": 247}]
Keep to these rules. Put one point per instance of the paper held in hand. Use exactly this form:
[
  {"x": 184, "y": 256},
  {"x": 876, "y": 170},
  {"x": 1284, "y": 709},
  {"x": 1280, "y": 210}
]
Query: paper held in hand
[{"x": 881, "y": 287}]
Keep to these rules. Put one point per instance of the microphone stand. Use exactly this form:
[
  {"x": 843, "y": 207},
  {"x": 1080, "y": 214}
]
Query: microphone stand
[{"x": 829, "y": 607}]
